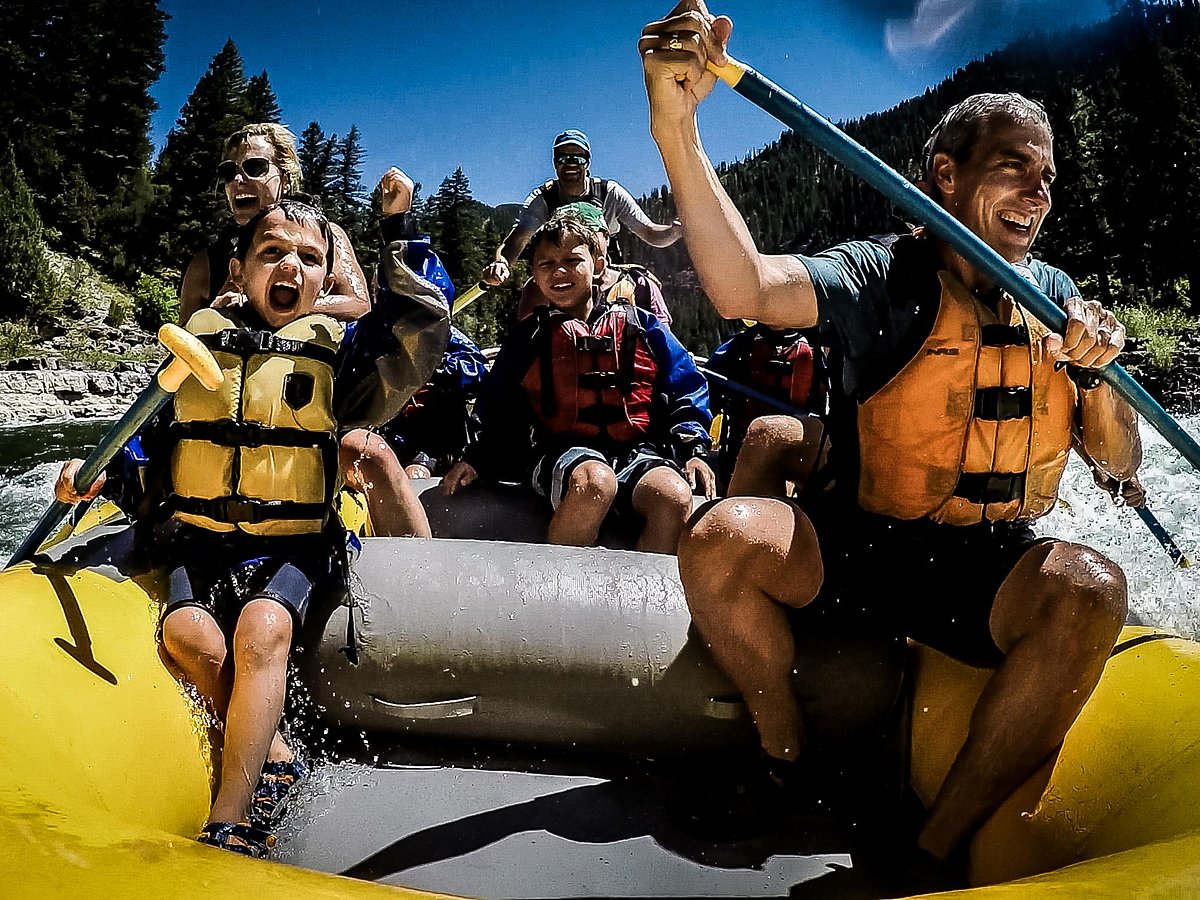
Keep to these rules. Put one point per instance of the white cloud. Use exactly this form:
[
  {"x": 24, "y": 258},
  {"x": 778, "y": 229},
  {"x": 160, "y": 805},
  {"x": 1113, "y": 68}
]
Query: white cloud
[{"x": 931, "y": 21}]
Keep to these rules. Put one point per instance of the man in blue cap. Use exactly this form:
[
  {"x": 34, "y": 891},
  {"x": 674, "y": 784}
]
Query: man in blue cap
[{"x": 572, "y": 184}]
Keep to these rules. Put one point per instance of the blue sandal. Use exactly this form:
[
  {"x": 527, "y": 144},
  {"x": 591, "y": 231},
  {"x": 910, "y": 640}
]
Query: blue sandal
[
  {"x": 271, "y": 793},
  {"x": 238, "y": 837}
]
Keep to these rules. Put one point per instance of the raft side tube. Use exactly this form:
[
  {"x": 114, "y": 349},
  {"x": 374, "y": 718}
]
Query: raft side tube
[{"x": 541, "y": 644}]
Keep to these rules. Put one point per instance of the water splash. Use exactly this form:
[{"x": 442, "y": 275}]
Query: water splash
[{"x": 1160, "y": 594}]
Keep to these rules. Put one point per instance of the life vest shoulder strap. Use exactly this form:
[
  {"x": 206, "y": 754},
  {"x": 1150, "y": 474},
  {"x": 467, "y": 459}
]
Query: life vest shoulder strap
[{"x": 247, "y": 342}]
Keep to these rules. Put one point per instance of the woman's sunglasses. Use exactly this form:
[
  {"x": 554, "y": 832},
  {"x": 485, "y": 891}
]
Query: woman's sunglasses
[
  {"x": 251, "y": 167},
  {"x": 568, "y": 158}
]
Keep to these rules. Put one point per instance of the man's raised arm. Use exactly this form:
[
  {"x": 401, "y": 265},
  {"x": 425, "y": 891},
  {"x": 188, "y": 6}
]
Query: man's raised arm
[{"x": 740, "y": 281}]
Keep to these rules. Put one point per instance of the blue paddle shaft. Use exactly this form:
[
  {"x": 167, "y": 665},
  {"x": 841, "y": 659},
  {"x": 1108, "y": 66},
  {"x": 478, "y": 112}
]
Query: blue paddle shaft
[
  {"x": 748, "y": 391},
  {"x": 773, "y": 99},
  {"x": 147, "y": 404},
  {"x": 1156, "y": 528}
]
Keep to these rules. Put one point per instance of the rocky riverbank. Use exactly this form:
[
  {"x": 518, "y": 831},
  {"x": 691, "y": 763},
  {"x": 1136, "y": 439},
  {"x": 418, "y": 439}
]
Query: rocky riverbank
[
  {"x": 55, "y": 388},
  {"x": 45, "y": 390}
]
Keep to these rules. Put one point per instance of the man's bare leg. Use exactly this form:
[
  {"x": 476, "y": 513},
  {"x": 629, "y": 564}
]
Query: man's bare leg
[
  {"x": 776, "y": 450},
  {"x": 371, "y": 466},
  {"x": 1057, "y": 617},
  {"x": 664, "y": 499},
  {"x": 591, "y": 489},
  {"x": 741, "y": 564},
  {"x": 261, "y": 643}
]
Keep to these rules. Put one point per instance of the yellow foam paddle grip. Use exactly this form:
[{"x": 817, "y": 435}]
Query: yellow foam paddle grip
[
  {"x": 189, "y": 357},
  {"x": 467, "y": 297}
]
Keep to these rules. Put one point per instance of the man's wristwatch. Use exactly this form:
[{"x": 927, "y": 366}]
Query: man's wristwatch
[{"x": 1085, "y": 379}]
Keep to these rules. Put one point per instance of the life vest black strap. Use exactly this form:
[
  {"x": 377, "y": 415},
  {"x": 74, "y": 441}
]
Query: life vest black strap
[
  {"x": 247, "y": 342},
  {"x": 249, "y": 434},
  {"x": 599, "y": 381},
  {"x": 593, "y": 343},
  {"x": 996, "y": 335},
  {"x": 999, "y": 403},
  {"x": 247, "y": 511},
  {"x": 629, "y": 341},
  {"x": 990, "y": 487}
]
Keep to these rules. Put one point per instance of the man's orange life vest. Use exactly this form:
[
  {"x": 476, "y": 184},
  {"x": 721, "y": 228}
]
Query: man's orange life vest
[
  {"x": 976, "y": 426},
  {"x": 593, "y": 381}
]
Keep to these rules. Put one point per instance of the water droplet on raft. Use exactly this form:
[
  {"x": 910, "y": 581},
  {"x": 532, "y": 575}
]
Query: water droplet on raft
[{"x": 346, "y": 704}]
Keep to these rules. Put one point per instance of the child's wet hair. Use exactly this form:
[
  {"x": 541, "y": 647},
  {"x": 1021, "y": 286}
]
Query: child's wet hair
[
  {"x": 563, "y": 226},
  {"x": 293, "y": 211}
]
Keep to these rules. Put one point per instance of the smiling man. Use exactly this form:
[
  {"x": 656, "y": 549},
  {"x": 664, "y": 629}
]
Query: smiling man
[
  {"x": 573, "y": 183},
  {"x": 951, "y": 425}
]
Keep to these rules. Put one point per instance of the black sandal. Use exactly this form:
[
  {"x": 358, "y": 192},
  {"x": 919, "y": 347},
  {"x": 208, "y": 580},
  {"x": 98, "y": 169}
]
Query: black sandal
[
  {"x": 238, "y": 837},
  {"x": 275, "y": 783}
]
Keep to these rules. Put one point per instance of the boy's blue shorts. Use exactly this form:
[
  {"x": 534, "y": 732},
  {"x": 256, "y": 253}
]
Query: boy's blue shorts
[
  {"x": 221, "y": 576},
  {"x": 553, "y": 472}
]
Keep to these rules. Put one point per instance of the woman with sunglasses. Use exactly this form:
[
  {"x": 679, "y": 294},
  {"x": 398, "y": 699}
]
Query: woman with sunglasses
[
  {"x": 260, "y": 168},
  {"x": 572, "y": 184}
]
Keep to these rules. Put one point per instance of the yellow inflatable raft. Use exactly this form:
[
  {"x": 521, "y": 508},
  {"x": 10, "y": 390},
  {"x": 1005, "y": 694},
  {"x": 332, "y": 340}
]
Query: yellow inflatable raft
[{"x": 104, "y": 775}]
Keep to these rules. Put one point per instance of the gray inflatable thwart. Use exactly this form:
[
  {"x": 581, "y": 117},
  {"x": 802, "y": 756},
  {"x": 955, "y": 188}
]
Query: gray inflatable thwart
[{"x": 515, "y": 641}]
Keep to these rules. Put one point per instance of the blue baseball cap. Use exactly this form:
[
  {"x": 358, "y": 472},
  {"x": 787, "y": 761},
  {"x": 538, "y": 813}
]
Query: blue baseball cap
[{"x": 573, "y": 136}]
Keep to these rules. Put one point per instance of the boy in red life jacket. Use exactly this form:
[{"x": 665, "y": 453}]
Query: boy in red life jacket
[
  {"x": 627, "y": 282},
  {"x": 762, "y": 447},
  {"x": 595, "y": 404}
]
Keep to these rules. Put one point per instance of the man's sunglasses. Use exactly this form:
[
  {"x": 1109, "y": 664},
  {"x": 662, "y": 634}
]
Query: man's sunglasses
[
  {"x": 566, "y": 159},
  {"x": 251, "y": 167}
]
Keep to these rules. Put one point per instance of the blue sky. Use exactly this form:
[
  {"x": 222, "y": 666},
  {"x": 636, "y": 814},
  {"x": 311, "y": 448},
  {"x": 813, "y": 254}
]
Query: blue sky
[{"x": 486, "y": 85}]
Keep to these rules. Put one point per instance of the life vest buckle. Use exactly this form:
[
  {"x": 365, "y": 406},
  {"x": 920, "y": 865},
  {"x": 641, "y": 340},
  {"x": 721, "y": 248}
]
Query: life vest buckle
[
  {"x": 599, "y": 381},
  {"x": 594, "y": 343}
]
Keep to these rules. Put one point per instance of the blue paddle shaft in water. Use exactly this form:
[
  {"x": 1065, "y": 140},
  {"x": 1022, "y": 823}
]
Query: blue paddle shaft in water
[
  {"x": 146, "y": 405},
  {"x": 1164, "y": 537},
  {"x": 773, "y": 99},
  {"x": 189, "y": 358}
]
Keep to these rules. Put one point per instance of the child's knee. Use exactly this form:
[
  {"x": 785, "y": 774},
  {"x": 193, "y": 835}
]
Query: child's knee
[
  {"x": 190, "y": 632},
  {"x": 263, "y": 634},
  {"x": 368, "y": 456},
  {"x": 665, "y": 492},
  {"x": 592, "y": 481}
]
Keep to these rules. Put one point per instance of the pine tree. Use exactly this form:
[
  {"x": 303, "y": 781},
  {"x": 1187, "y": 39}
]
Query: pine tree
[
  {"x": 316, "y": 153},
  {"x": 190, "y": 208},
  {"x": 261, "y": 103},
  {"x": 26, "y": 285},
  {"x": 458, "y": 230},
  {"x": 76, "y": 104},
  {"x": 349, "y": 208}
]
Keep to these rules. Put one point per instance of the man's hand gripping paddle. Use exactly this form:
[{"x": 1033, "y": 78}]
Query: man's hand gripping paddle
[
  {"x": 816, "y": 129},
  {"x": 189, "y": 358}
]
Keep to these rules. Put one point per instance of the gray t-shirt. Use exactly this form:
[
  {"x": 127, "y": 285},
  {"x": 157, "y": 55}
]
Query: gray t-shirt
[
  {"x": 619, "y": 209},
  {"x": 877, "y": 303}
]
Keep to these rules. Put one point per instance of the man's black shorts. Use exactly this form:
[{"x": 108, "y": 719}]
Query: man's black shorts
[{"x": 933, "y": 583}]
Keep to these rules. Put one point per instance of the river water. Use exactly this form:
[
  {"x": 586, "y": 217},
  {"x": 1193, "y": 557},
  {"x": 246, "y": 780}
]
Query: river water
[{"x": 1160, "y": 594}]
